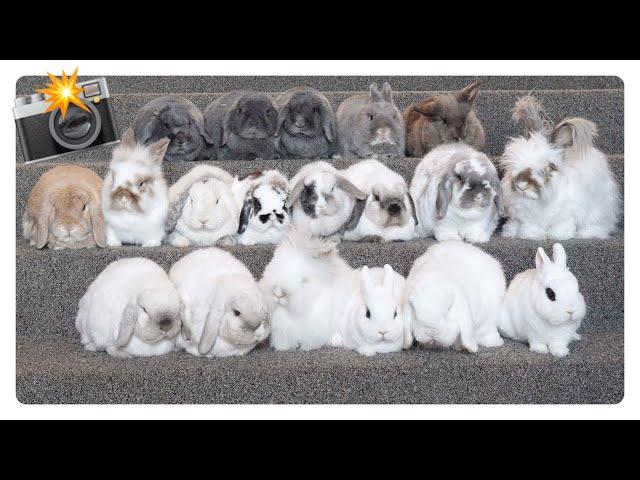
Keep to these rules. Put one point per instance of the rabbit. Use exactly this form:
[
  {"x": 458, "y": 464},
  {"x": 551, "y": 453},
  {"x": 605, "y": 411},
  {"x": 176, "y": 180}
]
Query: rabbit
[
  {"x": 556, "y": 184},
  {"x": 264, "y": 216},
  {"x": 306, "y": 285},
  {"x": 225, "y": 313},
  {"x": 131, "y": 309},
  {"x": 202, "y": 208},
  {"x": 306, "y": 124},
  {"x": 135, "y": 197},
  {"x": 64, "y": 211},
  {"x": 457, "y": 193},
  {"x": 241, "y": 125},
  {"x": 324, "y": 201},
  {"x": 389, "y": 213},
  {"x": 544, "y": 306},
  {"x": 175, "y": 118},
  {"x": 370, "y": 125},
  {"x": 443, "y": 118},
  {"x": 375, "y": 320},
  {"x": 454, "y": 296}
]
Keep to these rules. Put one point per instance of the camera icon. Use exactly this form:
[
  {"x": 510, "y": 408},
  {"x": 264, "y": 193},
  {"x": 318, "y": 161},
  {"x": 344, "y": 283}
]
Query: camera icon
[{"x": 44, "y": 137}]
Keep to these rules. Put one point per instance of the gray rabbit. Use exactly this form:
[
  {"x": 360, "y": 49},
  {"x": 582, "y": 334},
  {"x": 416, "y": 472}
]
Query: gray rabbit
[
  {"x": 370, "y": 125},
  {"x": 241, "y": 126},
  {"x": 175, "y": 118},
  {"x": 306, "y": 124}
]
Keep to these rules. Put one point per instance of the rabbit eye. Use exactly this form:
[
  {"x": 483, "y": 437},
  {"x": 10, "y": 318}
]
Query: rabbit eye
[
  {"x": 217, "y": 201},
  {"x": 166, "y": 125},
  {"x": 141, "y": 183},
  {"x": 236, "y": 313},
  {"x": 459, "y": 177},
  {"x": 144, "y": 310},
  {"x": 551, "y": 295},
  {"x": 84, "y": 207},
  {"x": 444, "y": 120},
  {"x": 376, "y": 198},
  {"x": 368, "y": 313},
  {"x": 395, "y": 314},
  {"x": 370, "y": 117},
  {"x": 190, "y": 201}
]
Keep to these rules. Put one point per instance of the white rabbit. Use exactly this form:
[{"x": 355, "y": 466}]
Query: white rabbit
[
  {"x": 454, "y": 293},
  {"x": 225, "y": 313},
  {"x": 457, "y": 194},
  {"x": 264, "y": 216},
  {"x": 306, "y": 285},
  {"x": 543, "y": 306},
  {"x": 389, "y": 212},
  {"x": 375, "y": 320},
  {"x": 135, "y": 195},
  {"x": 131, "y": 309},
  {"x": 557, "y": 185},
  {"x": 323, "y": 201},
  {"x": 202, "y": 207}
]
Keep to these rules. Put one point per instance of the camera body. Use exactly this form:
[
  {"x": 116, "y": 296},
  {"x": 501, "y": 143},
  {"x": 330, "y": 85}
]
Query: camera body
[{"x": 47, "y": 136}]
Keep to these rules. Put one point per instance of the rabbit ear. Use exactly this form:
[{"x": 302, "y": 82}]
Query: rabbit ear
[
  {"x": 356, "y": 214},
  {"x": 128, "y": 138},
  {"x": 282, "y": 116},
  {"x": 541, "y": 259},
  {"x": 350, "y": 188},
  {"x": 374, "y": 93},
  {"x": 158, "y": 149},
  {"x": 226, "y": 124},
  {"x": 185, "y": 331},
  {"x": 296, "y": 191},
  {"x": 386, "y": 92},
  {"x": 559, "y": 255},
  {"x": 328, "y": 122},
  {"x": 45, "y": 217},
  {"x": 388, "y": 278},
  {"x": 428, "y": 107},
  {"x": 498, "y": 200},
  {"x": 365, "y": 277},
  {"x": 211, "y": 328},
  {"x": 97, "y": 223},
  {"x": 445, "y": 192},
  {"x": 127, "y": 325},
  {"x": 469, "y": 93},
  {"x": 574, "y": 132},
  {"x": 175, "y": 212},
  {"x": 245, "y": 213},
  {"x": 412, "y": 204}
]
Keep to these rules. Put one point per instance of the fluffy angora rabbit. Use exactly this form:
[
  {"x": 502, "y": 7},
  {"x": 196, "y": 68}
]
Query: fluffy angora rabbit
[
  {"x": 175, "y": 118},
  {"x": 370, "y": 125},
  {"x": 306, "y": 124},
  {"x": 324, "y": 201},
  {"x": 442, "y": 119},
  {"x": 225, "y": 313},
  {"x": 202, "y": 207},
  {"x": 241, "y": 126},
  {"x": 130, "y": 310},
  {"x": 556, "y": 184},
  {"x": 543, "y": 306},
  {"x": 63, "y": 210},
  {"x": 135, "y": 195},
  {"x": 455, "y": 291},
  {"x": 457, "y": 194},
  {"x": 389, "y": 213}
]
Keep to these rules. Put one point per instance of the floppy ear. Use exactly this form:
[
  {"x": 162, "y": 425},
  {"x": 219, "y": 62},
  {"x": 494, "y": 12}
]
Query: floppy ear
[
  {"x": 328, "y": 122},
  {"x": 412, "y": 204},
  {"x": 175, "y": 212},
  {"x": 445, "y": 191},
  {"x": 159, "y": 148},
  {"x": 469, "y": 93},
  {"x": 541, "y": 259},
  {"x": 42, "y": 224},
  {"x": 296, "y": 191},
  {"x": 211, "y": 328},
  {"x": 128, "y": 138},
  {"x": 245, "y": 213},
  {"x": 97, "y": 222},
  {"x": 151, "y": 125},
  {"x": 428, "y": 107},
  {"x": 574, "y": 132},
  {"x": 127, "y": 325},
  {"x": 498, "y": 200},
  {"x": 374, "y": 93},
  {"x": 226, "y": 123},
  {"x": 356, "y": 213},
  {"x": 185, "y": 331},
  {"x": 282, "y": 116},
  {"x": 350, "y": 188},
  {"x": 386, "y": 92},
  {"x": 559, "y": 255}
]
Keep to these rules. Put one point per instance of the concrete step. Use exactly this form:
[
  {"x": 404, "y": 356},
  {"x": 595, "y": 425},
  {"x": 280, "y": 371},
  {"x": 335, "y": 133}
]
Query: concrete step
[
  {"x": 49, "y": 283},
  {"x": 169, "y": 84},
  {"x": 58, "y": 370},
  {"x": 604, "y": 107}
]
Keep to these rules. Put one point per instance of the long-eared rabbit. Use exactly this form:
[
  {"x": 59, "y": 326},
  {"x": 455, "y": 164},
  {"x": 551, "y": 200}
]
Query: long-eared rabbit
[{"x": 135, "y": 196}]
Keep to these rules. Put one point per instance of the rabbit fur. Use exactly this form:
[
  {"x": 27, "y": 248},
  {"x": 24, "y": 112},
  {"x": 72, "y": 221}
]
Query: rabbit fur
[
  {"x": 324, "y": 201},
  {"x": 64, "y": 209},
  {"x": 543, "y": 306},
  {"x": 306, "y": 124},
  {"x": 135, "y": 197},
  {"x": 131, "y": 309},
  {"x": 389, "y": 213},
  {"x": 225, "y": 313},
  {"x": 443, "y": 118},
  {"x": 454, "y": 293},
  {"x": 556, "y": 184},
  {"x": 457, "y": 193},
  {"x": 203, "y": 207},
  {"x": 370, "y": 125}
]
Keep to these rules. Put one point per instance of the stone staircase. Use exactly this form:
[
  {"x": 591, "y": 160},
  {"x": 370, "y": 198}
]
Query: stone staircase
[{"x": 52, "y": 367}]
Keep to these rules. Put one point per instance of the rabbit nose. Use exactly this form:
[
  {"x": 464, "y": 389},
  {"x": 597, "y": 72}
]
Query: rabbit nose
[
  {"x": 165, "y": 324},
  {"x": 383, "y": 132},
  {"x": 382, "y": 332},
  {"x": 203, "y": 221},
  {"x": 522, "y": 186},
  {"x": 265, "y": 218},
  {"x": 300, "y": 122},
  {"x": 394, "y": 209},
  {"x": 571, "y": 312}
]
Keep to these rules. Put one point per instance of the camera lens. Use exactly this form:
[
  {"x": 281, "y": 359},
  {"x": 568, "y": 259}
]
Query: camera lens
[
  {"x": 76, "y": 124},
  {"x": 78, "y": 129}
]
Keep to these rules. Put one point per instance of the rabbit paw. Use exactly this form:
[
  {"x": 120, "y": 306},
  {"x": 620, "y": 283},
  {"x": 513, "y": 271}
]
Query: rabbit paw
[
  {"x": 151, "y": 243},
  {"x": 539, "y": 348},
  {"x": 576, "y": 337},
  {"x": 336, "y": 341},
  {"x": 490, "y": 341},
  {"x": 179, "y": 241},
  {"x": 366, "y": 351},
  {"x": 558, "y": 350}
]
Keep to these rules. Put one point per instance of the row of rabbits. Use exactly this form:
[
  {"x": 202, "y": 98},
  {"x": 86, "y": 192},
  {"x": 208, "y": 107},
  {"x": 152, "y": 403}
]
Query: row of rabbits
[
  {"x": 210, "y": 305},
  {"x": 301, "y": 123}
]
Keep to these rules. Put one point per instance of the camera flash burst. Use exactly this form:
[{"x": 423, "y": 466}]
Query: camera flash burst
[{"x": 61, "y": 92}]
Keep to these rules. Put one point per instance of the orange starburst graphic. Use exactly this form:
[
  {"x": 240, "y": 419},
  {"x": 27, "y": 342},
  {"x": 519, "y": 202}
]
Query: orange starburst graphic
[{"x": 63, "y": 91}]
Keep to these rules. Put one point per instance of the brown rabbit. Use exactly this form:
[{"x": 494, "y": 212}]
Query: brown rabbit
[
  {"x": 63, "y": 210},
  {"x": 443, "y": 118}
]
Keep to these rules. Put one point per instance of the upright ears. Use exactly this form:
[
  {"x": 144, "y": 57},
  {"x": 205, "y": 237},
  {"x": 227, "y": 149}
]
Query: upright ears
[
  {"x": 365, "y": 277},
  {"x": 574, "y": 132},
  {"x": 128, "y": 138},
  {"x": 443, "y": 198},
  {"x": 376, "y": 95},
  {"x": 45, "y": 217},
  {"x": 388, "y": 278},
  {"x": 127, "y": 325},
  {"x": 469, "y": 93},
  {"x": 559, "y": 257},
  {"x": 158, "y": 149}
]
